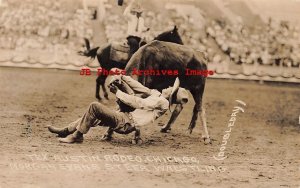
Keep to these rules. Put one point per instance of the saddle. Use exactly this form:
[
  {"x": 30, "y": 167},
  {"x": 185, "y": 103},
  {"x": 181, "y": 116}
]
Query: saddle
[{"x": 119, "y": 52}]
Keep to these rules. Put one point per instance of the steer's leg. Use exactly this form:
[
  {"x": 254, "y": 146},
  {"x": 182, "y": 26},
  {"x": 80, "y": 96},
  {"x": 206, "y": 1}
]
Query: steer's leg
[
  {"x": 199, "y": 109},
  {"x": 166, "y": 128},
  {"x": 98, "y": 82}
]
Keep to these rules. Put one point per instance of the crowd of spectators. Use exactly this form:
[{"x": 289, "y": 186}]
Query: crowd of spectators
[
  {"x": 158, "y": 22},
  {"x": 274, "y": 43},
  {"x": 49, "y": 25},
  {"x": 270, "y": 44},
  {"x": 45, "y": 25}
]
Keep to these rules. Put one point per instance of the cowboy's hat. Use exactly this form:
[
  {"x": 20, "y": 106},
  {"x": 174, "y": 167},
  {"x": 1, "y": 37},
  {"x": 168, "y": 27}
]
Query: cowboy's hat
[{"x": 136, "y": 7}]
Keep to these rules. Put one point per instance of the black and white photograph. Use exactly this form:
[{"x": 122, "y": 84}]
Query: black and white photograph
[{"x": 149, "y": 93}]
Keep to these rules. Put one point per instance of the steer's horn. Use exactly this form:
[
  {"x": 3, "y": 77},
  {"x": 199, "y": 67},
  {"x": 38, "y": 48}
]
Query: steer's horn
[{"x": 174, "y": 92}]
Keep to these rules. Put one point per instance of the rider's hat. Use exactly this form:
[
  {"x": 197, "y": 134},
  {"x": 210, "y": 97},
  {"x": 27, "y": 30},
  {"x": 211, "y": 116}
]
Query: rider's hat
[{"x": 136, "y": 7}]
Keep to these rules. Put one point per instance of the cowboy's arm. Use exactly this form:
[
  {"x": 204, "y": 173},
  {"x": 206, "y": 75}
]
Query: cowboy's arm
[
  {"x": 126, "y": 12},
  {"x": 143, "y": 28},
  {"x": 132, "y": 85},
  {"x": 139, "y": 103},
  {"x": 136, "y": 86}
]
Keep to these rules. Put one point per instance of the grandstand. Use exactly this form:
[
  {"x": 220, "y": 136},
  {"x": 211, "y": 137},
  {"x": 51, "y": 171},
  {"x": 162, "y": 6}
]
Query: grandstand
[
  {"x": 241, "y": 40},
  {"x": 42, "y": 32}
]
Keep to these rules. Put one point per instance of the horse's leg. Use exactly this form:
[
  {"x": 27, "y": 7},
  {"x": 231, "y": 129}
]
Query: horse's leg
[
  {"x": 174, "y": 116},
  {"x": 98, "y": 88},
  {"x": 100, "y": 82},
  {"x": 104, "y": 88},
  {"x": 198, "y": 108}
]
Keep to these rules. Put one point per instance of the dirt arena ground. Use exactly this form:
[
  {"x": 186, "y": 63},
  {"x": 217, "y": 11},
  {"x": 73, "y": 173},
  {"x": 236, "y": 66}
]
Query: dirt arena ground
[{"x": 263, "y": 149}]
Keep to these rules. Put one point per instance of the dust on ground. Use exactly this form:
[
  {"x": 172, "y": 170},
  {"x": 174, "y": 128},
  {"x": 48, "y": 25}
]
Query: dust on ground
[{"x": 263, "y": 148}]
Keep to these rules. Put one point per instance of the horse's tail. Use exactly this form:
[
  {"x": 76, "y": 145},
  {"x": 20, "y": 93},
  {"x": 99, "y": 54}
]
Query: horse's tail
[
  {"x": 89, "y": 53},
  {"x": 92, "y": 53}
]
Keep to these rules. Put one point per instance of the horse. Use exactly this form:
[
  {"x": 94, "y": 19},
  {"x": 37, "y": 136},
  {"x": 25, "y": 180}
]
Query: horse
[
  {"x": 158, "y": 56},
  {"x": 106, "y": 62}
]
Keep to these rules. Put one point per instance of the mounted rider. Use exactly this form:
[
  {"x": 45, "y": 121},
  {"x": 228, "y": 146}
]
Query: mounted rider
[{"x": 136, "y": 25}]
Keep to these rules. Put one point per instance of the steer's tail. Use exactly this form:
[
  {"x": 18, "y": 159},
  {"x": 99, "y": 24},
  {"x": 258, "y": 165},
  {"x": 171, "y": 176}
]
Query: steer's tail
[{"x": 92, "y": 53}]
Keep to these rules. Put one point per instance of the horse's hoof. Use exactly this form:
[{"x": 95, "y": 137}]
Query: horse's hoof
[
  {"x": 106, "y": 138},
  {"x": 137, "y": 141},
  {"x": 189, "y": 131},
  {"x": 165, "y": 130},
  {"x": 207, "y": 141}
]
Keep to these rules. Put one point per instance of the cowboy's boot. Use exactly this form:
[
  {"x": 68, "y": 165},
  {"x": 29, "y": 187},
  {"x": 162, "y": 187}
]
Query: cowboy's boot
[
  {"x": 108, "y": 135},
  {"x": 61, "y": 132},
  {"x": 76, "y": 137},
  {"x": 137, "y": 137}
]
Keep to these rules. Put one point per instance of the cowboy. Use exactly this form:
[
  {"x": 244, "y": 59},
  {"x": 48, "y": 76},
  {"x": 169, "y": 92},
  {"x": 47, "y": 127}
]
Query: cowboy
[
  {"x": 146, "y": 105},
  {"x": 136, "y": 25}
]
